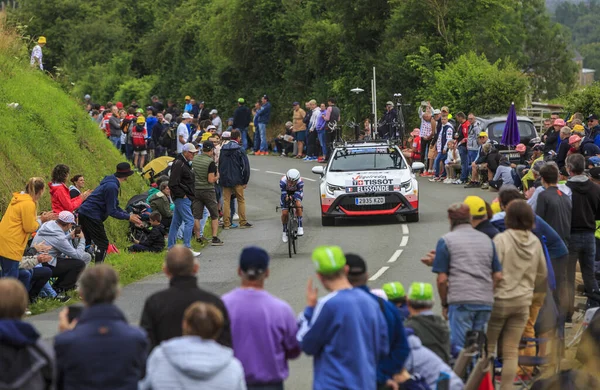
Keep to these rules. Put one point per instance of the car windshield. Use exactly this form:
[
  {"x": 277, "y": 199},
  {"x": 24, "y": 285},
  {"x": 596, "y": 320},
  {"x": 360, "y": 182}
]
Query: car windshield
[
  {"x": 367, "y": 159},
  {"x": 526, "y": 130}
]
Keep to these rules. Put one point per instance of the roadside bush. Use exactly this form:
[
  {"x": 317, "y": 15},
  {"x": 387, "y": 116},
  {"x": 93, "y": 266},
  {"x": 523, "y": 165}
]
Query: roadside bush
[{"x": 585, "y": 100}]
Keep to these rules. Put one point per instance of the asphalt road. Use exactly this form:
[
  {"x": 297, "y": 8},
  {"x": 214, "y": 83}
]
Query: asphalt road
[{"x": 391, "y": 247}]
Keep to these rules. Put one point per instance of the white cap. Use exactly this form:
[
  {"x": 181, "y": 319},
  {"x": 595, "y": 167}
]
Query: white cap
[
  {"x": 186, "y": 115},
  {"x": 213, "y": 111},
  {"x": 189, "y": 147},
  {"x": 437, "y": 111},
  {"x": 210, "y": 127},
  {"x": 66, "y": 217}
]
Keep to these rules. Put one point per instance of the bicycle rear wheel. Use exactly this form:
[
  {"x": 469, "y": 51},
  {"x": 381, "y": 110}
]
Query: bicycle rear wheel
[
  {"x": 290, "y": 235},
  {"x": 295, "y": 233}
]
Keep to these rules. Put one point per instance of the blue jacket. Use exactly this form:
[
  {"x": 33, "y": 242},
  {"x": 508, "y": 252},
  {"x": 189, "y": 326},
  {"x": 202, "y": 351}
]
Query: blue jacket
[
  {"x": 347, "y": 335},
  {"x": 399, "y": 349},
  {"x": 588, "y": 147},
  {"x": 556, "y": 246},
  {"x": 264, "y": 113},
  {"x": 104, "y": 201},
  {"x": 234, "y": 167},
  {"x": 151, "y": 121},
  {"x": 101, "y": 352}
]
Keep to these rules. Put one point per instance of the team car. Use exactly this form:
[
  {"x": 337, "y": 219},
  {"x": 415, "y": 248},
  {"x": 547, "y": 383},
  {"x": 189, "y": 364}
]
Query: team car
[{"x": 364, "y": 179}]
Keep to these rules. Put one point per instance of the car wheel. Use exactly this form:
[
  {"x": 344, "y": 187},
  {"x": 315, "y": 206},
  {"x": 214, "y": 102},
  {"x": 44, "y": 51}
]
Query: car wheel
[
  {"x": 327, "y": 221},
  {"x": 412, "y": 217}
]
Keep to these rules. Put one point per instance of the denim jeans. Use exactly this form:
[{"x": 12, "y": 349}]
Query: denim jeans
[
  {"x": 203, "y": 221},
  {"x": 262, "y": 128},
  {"x": 182, "y": 213},
  {"x": 116, "y": 141},
  {"x": 582, "y": 248},
  {"x": 323, "y": 141},
  {"x": 256, "y": 146},
  {"x": 472, "y": 156},
  {"x": 9, "y": 268},
  {"x": 464, "y": 163},
  {"x": 244, "y": 133},
  {"x": 441, "y": 157},
  {"x": 466, "y": 317},
  {"x": 25, "y": 278}
]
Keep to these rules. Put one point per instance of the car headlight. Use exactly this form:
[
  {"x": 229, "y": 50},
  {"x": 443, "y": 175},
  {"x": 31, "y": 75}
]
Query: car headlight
[
  {"x": 407, "y": 185},
  {"x": 332, "y": 188}
]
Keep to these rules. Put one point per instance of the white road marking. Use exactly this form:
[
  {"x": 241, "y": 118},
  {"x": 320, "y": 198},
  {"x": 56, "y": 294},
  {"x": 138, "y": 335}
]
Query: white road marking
[
  {"x": 405, "y": 229},
  {"x": 254, "y": 169},
  {"x": 404, "y": 241},
  {"x": 378, "y": 273},
  {"x": 395, "y": 256},
  {"x": 275, "y": 173},
  {"x": 306, "y": 178}
]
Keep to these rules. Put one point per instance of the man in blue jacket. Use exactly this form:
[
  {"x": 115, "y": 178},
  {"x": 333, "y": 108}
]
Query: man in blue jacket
[
  {"x": 345, "y": 330},
  {"x": 234, "y": 173},
  {"x": 394, "y": 362},
  {"x": 102, "y": 203},
  {"x": 263, "y": 115}
]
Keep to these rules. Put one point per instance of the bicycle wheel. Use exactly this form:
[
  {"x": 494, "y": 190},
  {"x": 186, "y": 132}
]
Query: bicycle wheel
[
  {"x": 290, "y": 235},
  {"x": 295, "y": 235}
]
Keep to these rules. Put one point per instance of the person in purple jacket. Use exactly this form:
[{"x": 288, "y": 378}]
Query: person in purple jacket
[{"x": 263, "y": 327}]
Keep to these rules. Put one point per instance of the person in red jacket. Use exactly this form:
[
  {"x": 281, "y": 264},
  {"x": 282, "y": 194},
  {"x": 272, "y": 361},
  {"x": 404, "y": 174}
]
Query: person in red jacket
[{"x": 59, "y": 192}]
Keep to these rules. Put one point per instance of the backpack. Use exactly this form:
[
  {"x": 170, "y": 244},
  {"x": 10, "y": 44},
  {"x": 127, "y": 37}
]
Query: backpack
[{"x": 167, "y": 137}]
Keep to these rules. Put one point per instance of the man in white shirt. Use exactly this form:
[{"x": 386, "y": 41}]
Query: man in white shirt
[
  {"x": 182, "y": 131},
  {"x": 36, "y": 53},
  {"x": 216, "y": 121}
]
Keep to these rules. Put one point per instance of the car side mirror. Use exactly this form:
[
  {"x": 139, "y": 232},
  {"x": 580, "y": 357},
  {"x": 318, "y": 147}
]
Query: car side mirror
[
  {"x": 318, "y": 170},
  {"x": 416, "y": 166}
]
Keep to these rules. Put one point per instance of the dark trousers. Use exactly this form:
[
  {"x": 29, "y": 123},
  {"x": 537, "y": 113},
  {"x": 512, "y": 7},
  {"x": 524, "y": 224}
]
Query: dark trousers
[
  {"x": 424, "y": 145},
  {"x": 275, "y": 386},
  {"x": 311, "y": 144},
  {"x": 330, "y": 137},
  {"x": 582, "y": 248},
  {"x": 561, "y": 294},
  {"x": 141, "y": 248},
  {"x": 93, "y": 230},
  {"x": 39, "y": 278},
  {"x": 66, "y": 271},
  {"x": 284, "y": 146}
]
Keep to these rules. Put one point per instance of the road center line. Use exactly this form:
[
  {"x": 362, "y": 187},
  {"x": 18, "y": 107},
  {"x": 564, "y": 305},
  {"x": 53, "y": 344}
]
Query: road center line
[
  {"x": 404, "y": 241},
  {"x": 254, "y": 169},
  {"x": 275, "y": 173},
  {"x": 405, "y": 229},
  {"x": 395, "y": 256},
  {"x": 306, "y": 178},
  {"x": 379, "y": 273}
]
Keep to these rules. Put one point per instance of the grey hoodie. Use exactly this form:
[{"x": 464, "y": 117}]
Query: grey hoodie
[
  {"x": 189, "y": 362},
  {"x": 61, "y": 243},
  {"x": 429, "y": 365}
]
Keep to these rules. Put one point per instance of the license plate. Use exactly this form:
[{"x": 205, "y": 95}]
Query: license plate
[{"x": 369, "y": 201}]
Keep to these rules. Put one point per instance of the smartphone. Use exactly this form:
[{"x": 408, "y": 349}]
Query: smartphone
[
  {"x": 74, "y": 312},
  {"x": 77, "y": 230}
]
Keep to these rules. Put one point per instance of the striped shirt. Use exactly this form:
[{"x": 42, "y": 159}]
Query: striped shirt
[{"x": 36, "y": 55}]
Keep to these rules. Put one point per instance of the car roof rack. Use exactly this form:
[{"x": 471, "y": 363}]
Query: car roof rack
[{"x": 370, "y": 143}]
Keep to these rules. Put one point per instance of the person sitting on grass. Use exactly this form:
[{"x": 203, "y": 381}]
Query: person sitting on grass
[
  {"x": 155, "y": 241},
  {"x": 430, "y": 328},
  {"x": 161, "y": 203},
  {"x": 396, "y": 294}
]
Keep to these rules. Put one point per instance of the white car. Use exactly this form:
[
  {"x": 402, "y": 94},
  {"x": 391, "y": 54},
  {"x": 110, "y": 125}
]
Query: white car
[{"x": 364, "y": 179}]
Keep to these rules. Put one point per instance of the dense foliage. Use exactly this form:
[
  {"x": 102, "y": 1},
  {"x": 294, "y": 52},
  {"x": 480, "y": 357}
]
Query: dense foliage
[
  {"x": 586, "y": 100},
  {"x": 218, "y": 50}
]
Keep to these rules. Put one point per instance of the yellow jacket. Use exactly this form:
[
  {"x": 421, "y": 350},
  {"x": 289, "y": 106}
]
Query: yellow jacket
[
  {"x": 529, "y": 174},
  {"x": 19, "y": 221}
]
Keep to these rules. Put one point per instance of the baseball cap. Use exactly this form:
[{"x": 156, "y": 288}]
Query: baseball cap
[
  {"x": 226, "y": 134},
  {"x": 119, "y": 105},
  {"x": 187, "y": 97},
  {"x": 205, "y": 137},
  {"x": 140, "y": 119},
  {"x": 356, "y": 264},
  {"x": 328, "y": 259},
  {"x": 295, "y": 104},
  {"x": 254, "y": 261},
  {"x": 394, "y": 290},
  {"x": 87, "y": 96},
  {"x": 213, "y": 111},
  {"x": 419, "y": 291},
  {"x": 288, "y": 124},
  {"x": 521, "y": 148},
  {"x": 266, "y": 97},
  {"x": 207, "y": 146},
  {"x": 578, "y": 129},
  {"x": 595, "y": 173},
  {"x": 571, "y": 118},
  {"x": 574, "y": 139},
  {"x": 445, "y": 108},
  {"x": 559, "y": 122},
  {"x": 186, "y": 115},
  {"x": 241, "y": 100},
  {"x": 592, "y": 117},
  {"x": 476, "y": 206},
  {"x": 66, "y": 217},
  {"x": 437, "y": 111},
  {"x": 483, "y": 134},
  {"x": 211, "y": 127},
  {"x": 389, "y": 103},
  {"x": 189, "y": 147},
  {"x": 139, "y": 111}
]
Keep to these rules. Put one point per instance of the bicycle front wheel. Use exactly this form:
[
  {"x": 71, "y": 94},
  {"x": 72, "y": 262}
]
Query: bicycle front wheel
[{"x": 290, "y": 235}]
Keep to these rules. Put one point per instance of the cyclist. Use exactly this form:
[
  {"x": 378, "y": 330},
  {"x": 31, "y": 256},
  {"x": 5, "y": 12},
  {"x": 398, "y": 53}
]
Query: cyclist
[{"x": 291, "y": 186}]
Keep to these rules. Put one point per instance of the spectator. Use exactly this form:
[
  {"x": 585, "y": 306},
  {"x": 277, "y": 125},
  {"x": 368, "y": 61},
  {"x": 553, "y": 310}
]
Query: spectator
[
  {"x": 551, "y": 137},
  {"x": 216, "y": 121},
  {"x": 241, "y": 120},
  {"x": 155, "y": 240},
  {"x": 99, "y": 350},
  {"x": 161, "y": 202},
  {"x": 479, "y": 217},
  {"x": 36, "y": 53},
  {"x": 263, "y": 327},
  {"x": 398, "y": 346},
  {"x": 564, "y": 148},
  {"x": 321, "y": 132},
  {"x": 584, "y": 146},
  {"x": 313, "y": 112},
  {"x": 492, "y": 161},
  {"x": 203, "y": 112},
  {"x": 182, "y": 131},
  {"x": 172, "y": 110},
  {"x": 425, "y": 112},
  {"x": 452, "y": 162},
  {"x": 67, "y": 261},
  {"x": 524, "y": 275},
  {"x": 59, "y": 193},
  {"x": 188, "y": 104},
  {"x": 157, "y": 105},
  {"x": 102, "y": 203},
  {"x": 181, "y": 183},
  {"x": 163, "y": 311},
  {"x": 479, "y": 161},
  {"x": 234, "y": 173},
  {"x": 585, "y": 211},
  {"x": 127, "y": 125},
  {"x": 17, "y": 223},
  {"x": 503, "y": 174},
  {"x": 78, "y": 185},
  {"x": 395, "y": 293},
  {"x": 151, "y": 124},
  {"x": 299, "y": 128},
  {"x": 114, "y": 127},
  {"x": 195, "y": 360},
  {"x": 467, "y": 266},
  {"x": 27, "y": 361},
  {"x": 327, "y": 325},
  {"x": 263, "y": 115},
  {"x": 431, "y": 329},
  {"x": 206, "y": 176},
  {"x": 31, "y": 263},
  {"x": 594, "y": 129},
  {"x": 284, "y": 142},
  {"x": 139, "y": 137},
  {"x": 524, "y": 157},
  {"x": 527, "y": 178}
]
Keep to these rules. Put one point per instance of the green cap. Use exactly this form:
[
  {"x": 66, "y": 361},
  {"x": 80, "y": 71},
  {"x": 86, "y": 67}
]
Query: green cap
[
  {"x": 139, "y": 111},
  {"x": 328, "y": 259},
  {"x": 394, "y": 290},
  {"x": 241, "y": 100},
  {"x": 420, "y": 292}
]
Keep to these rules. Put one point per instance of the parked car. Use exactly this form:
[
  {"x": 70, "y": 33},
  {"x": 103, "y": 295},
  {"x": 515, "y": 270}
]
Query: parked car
[{"x": 494, "y": 127}]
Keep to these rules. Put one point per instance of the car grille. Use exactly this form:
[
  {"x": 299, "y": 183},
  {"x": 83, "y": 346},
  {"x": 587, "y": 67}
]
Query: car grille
[{"x": 371, "y": 207}]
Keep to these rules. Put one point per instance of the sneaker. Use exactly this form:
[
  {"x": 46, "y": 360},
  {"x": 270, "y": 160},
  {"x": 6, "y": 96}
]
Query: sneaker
[
  {"x": 485, "y": 186},
  {"x": 320, "y": 159},
  {"x": 62, "y": 298},
  {"x": 247, "y": 225},
  {"x": 284, "y": 237},
  {"x": 196, "y": 254},
  {"x": 250, "y": 153},
  {"x": 236, "y": 217},
  {"x": 473, "y": 184},
  {"x": 232, "y": 226},
  {"x": 201, "y": 240},
  {"x": 216, "y": 242},
  {"x": 283, "y": 155},
  {"x": 435, "y": 178},
  {"x": 441, "y": 179},
  {"x": 300, "y": 231},
  {"x": 458, "y": 181},
  {"x": 27, "y": 312},
  {"x": 448, "y": 181},
  {"x": 306, "y": 158}
]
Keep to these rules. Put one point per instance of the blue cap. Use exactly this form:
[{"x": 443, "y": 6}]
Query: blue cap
[
  {"x": 254, "y": 261},
  {"x": 295, "y": 104}
]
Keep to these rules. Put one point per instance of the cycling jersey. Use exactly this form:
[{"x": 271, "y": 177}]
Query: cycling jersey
[{"x": 296, "y": 188}]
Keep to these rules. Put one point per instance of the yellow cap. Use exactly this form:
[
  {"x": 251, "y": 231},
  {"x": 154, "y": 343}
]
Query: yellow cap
[
  {"x": 476, "y": 205},
  {"x": 496, "y": 206},
  {"x": 483, "y": 134},
  {"x": 188, "y": 97},
  {"x": 578, "y": 129},
  {"x": 205, "y": 136},
  {"x": 42, "y": 40},
  {"x": 140, "y": 119},
  {"x": 571, "y": 118}
]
